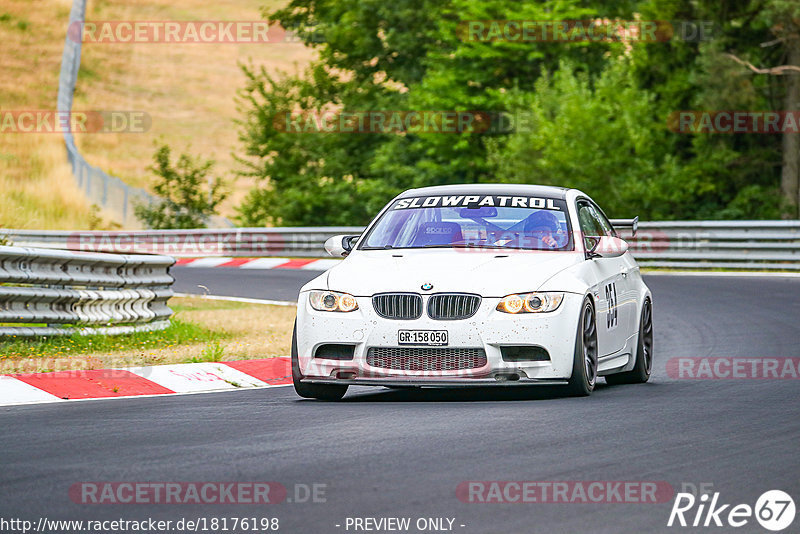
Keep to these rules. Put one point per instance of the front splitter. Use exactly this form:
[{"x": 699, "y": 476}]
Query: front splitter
[{"x": 436, "y": 382}]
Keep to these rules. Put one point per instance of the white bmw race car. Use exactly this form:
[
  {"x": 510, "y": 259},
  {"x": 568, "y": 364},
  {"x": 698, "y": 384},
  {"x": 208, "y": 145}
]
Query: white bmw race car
[{"x": 473, "y": 285}]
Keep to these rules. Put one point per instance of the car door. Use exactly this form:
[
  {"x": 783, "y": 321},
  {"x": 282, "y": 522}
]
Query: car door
[
  {"x": 626, "y": 287},
  {"x": 610, "y": 336}
]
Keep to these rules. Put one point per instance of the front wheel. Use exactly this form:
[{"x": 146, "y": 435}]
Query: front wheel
[
  {"x": 329, "y": 392},
  {"x": 644, "y": 352},
  {"x": 584, "y": 365}
]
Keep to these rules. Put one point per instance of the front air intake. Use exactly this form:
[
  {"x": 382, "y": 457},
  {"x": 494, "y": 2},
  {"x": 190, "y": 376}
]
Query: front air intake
[
  {"x": 335, "y": 352},
  {"x": 524, "y": 353},
  {"x": 426, "y": 359}
]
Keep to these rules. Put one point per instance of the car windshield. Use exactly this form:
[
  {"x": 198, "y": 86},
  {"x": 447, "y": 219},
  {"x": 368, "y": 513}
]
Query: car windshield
[{"x": 485, "y": 221}]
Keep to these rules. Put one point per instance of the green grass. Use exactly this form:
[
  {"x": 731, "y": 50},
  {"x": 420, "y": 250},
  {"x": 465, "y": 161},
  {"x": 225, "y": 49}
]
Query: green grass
[
  {"x": 213, "y": 352},
  {"x": 177, "y": 333},
  {"x": 645, "y": 269},
  {"x": 21, "y": 24}
]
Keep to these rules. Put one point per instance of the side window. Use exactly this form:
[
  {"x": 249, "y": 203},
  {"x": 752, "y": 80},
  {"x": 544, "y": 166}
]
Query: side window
[
  {"x": 603, "y": 221},
  {"x": 590, "y": 226}
]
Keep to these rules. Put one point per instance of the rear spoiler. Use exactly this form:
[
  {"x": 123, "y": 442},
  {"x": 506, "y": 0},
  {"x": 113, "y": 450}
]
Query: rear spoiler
[{"x": 633, "y": 224}]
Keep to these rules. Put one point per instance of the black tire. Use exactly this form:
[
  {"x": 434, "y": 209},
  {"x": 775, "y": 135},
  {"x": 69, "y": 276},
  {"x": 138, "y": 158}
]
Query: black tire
[
  {"x": 644, "y": 352},
  {"x": 584, "y": 365},
  {"x": 329, "y": 392}
]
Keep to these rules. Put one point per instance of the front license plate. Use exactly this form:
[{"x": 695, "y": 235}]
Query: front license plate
[{"x": 422, "y": 337}]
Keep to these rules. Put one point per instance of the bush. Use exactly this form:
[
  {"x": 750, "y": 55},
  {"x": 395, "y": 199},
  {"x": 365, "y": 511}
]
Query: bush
[{"x": 188, "y": 196}]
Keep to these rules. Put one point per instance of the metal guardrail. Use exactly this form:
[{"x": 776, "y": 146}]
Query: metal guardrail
[
  {"x": 761, "y": 245},
  {"x": 45, "y": 292},
  {"x": 240, "y": 242},
  {"x": 753, "y": 245}
]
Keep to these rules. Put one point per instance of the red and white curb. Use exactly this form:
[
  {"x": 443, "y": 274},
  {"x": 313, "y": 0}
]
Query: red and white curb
[
  {"x": 65, "y": 386},
  {"x": 259, "y": 263}
]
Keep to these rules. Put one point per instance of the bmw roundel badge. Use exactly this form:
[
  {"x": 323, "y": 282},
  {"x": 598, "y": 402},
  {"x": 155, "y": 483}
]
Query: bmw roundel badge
[{"x": 427, "y": 286}]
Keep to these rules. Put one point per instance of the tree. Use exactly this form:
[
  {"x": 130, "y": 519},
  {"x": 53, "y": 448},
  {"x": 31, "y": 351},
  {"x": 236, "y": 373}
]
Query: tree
[
  {"x": 389, "y": 57},
  {"x": 782, "y": 17},
  {"x": 413, "y": 56},
  {"x": 188, "y": 197}
]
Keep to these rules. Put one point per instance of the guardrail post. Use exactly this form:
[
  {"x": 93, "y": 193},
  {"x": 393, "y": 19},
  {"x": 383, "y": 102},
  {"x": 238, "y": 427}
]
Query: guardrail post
[{"x": 125, "y": 203}]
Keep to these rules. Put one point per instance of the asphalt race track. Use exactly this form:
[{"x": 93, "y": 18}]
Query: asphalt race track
[
  {"x": 385, "y": 453},
  {"x": 272, "y": 284}
]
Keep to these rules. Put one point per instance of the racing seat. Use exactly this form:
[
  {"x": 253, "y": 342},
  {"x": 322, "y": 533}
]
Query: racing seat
[{"x": 437, "y": 233}]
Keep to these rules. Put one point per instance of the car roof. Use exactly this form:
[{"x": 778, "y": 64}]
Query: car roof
[{"x": 489, "y": 189}]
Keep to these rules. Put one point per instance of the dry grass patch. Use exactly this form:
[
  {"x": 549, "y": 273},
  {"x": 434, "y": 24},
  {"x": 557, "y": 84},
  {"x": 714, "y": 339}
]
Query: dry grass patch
[
  {"x": 256, "y": 330},
  {"x": 187, "y": 89},
  {"x": 33, "y": 39},
  {"x": 38, "y": 189},
  {"x": 35, "y": 179}
]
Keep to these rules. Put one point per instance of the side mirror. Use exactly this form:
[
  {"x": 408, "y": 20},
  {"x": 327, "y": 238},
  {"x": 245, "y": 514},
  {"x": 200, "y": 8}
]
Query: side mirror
[
  {"x": 606, "y": 247},
  {"x": 628, "y": 224},
  {"x": 340, "y": 245}
]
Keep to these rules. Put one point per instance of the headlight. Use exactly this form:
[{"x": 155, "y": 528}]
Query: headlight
[
  {"x": 332, "y": 301},
  {"x": 531, "y": 302}
]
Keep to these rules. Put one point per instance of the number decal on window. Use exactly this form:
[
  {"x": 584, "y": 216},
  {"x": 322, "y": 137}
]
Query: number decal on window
[{"x": 611, "y": 298}]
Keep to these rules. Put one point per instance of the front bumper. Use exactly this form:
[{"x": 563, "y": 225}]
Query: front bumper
[{"x": 488, "y": 329}]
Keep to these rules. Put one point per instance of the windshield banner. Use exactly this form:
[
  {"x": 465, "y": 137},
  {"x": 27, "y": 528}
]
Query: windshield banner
[{"x": 480, "y": 201}]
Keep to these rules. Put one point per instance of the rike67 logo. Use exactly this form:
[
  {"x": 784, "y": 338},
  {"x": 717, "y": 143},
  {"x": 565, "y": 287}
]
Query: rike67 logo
[{"x": 774, "y": 510}]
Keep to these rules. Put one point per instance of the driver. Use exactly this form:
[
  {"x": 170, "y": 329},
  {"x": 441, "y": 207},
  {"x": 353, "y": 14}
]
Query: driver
[{"x": 543, "y": 225}]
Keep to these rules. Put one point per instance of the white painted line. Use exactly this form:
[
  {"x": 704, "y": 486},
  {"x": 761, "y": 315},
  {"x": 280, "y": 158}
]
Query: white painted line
[
  {"x": 321, "y": 265},
  {"x": 13, "y": 391},
  {"x": 206, "y": 262},
  {"x": 747, "y": 274},
  {"x": 264, "y": 263},
  {"x": 238, "y": 299}
]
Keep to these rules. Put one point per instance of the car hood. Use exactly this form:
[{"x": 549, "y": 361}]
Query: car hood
[{"x": 489, "y": 274}]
